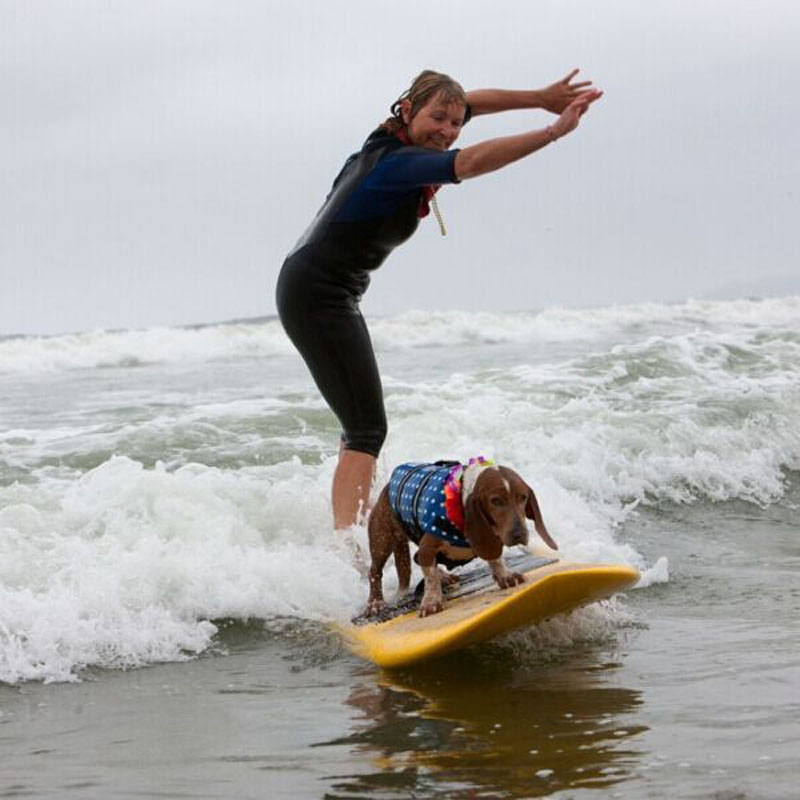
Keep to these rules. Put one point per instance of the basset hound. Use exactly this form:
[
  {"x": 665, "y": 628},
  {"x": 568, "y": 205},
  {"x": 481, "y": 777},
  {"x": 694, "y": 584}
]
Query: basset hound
[{"x": 454, "y": 512}]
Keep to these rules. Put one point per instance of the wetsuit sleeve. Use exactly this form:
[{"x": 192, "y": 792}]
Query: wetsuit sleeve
[
  {"x": 412, "y": 167},
  {"x": 396, "y": 180}
]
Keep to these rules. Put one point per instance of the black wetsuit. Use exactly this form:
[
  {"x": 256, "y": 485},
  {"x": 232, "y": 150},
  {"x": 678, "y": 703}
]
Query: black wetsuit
[{"x": 373, "y": 207}]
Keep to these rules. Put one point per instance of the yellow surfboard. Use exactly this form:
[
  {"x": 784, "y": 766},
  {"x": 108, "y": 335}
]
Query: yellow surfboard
[{"x": 480, "y": 612}]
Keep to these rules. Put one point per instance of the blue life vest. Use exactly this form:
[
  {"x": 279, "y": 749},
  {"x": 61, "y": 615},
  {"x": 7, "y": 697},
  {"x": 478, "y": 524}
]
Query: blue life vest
[{"x": 417, "y": 497}]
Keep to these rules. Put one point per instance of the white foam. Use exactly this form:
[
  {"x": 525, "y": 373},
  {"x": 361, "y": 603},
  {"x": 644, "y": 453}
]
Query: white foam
[
  {"x": 132, "y": 348},
  {"x": 120, "y": 565},
  {"x": 658, "y": 573},
  {"x": 671, "y": 418},
  {"x": 126, "y": 566},
  {"x": 412, "y": 329},
  {"x": 599, "y": 622}
]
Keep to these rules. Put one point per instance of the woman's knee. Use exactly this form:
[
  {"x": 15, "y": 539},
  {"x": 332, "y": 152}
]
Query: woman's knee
[{"x": 366, "y": 439}]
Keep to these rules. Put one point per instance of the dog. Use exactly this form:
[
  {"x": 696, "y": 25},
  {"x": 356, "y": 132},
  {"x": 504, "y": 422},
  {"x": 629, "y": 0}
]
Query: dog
[{"x": 454, "y": 513}]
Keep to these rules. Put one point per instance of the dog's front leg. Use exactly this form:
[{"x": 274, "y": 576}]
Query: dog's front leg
[
  {"x": 503, "y": 576},
  {"x": 432, "y": 599},
  {"x": 375, "y": 603}
]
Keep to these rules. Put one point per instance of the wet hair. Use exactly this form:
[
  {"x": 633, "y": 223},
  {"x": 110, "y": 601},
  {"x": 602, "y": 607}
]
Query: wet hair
[{"x": 425, "y": 86}]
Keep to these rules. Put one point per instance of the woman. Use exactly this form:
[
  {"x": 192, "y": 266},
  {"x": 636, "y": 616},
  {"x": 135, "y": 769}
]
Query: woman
[{"x": 375, "y": 204}]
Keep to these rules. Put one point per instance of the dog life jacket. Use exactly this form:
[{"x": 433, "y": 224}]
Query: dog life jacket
[{"x": 427, "y": 499}]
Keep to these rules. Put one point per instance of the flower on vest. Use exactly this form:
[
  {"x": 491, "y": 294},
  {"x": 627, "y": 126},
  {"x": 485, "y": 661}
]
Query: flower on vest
[{"x": 453, "y": 504}]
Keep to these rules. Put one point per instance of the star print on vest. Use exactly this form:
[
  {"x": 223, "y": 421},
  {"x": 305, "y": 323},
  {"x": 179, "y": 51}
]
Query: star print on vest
[{"x": 427, "y": 499}]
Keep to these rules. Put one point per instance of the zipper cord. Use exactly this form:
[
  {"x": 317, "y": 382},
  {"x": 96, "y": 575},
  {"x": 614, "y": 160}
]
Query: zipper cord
[{"x": 438, "y": 214}]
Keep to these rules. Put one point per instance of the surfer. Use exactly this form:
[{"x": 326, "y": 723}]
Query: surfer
[{"x": 374, "y": 205}]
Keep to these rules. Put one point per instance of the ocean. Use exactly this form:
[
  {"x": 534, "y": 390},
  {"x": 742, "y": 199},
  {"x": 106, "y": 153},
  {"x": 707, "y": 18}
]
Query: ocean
[{"x": 169, "y": 572}]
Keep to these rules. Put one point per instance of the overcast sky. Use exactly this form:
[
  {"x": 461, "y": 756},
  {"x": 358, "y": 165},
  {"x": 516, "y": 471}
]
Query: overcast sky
[{"x": 158, "y": 159}]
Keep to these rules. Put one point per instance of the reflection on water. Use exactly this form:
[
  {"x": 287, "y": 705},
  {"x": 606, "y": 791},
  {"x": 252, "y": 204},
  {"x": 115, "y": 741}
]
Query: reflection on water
[{"x": 475, "y": 725}]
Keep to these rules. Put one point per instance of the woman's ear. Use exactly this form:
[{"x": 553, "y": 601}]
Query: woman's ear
[
  {"x": 405, "y": 110},
  {"x": 532, "y": 512},
  {"x": 479, "y": 530}
]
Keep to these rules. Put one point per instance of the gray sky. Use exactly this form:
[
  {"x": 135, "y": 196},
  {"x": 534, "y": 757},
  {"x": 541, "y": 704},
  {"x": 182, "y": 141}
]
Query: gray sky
[{"x": 158, "y": 159}]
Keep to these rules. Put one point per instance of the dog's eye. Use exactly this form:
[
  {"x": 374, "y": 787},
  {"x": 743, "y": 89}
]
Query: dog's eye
[
  {"x": 497, "y": 501},
  {"x": 522, "y": 498}
]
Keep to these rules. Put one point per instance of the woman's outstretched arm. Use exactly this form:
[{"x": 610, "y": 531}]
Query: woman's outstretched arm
[
  {"x": 555, "y": 97},
  {"x": 496, "y": 153}
]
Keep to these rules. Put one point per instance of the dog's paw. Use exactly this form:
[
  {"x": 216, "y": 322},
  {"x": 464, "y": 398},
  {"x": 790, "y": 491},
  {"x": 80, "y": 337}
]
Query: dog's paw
[
  {"x": 509, "y": 579},
  {"x": 375, "y": 607},
  {"x": 448, "y": 579},
  {"x": 431, "y": 606}
]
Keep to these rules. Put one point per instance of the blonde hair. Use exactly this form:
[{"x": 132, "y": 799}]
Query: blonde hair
[{"x": 426, "y": 85}]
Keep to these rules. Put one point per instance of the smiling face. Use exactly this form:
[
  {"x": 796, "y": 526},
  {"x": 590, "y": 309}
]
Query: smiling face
[{"x": 436, "y": 125}]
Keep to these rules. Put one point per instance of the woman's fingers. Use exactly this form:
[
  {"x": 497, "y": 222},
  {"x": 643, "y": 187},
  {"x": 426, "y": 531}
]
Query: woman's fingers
[
  {"x": 568, "y": 80},
  {"x": 559, "y": 95},
  {"x": 588, "y": 97},
  {"x": 579, "y": 106}
]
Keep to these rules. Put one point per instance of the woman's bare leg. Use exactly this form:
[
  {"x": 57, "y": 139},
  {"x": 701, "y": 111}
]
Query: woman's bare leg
[{"x": 352, "y": 482}]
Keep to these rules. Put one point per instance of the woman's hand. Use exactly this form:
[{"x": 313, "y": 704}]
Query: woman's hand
[
  {"x": 554, "y": 98},
  {"x": 484, "y": 157},
  {"x": 572, "y": 114},
  {"x": 560, "y": 94}
]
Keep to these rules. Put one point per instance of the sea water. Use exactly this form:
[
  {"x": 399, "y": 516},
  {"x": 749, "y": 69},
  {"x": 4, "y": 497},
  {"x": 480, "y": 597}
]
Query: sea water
[{"x": 168, "y": 569}]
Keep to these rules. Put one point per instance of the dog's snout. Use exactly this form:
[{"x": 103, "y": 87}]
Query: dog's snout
[{"x": 519, "y": 533}]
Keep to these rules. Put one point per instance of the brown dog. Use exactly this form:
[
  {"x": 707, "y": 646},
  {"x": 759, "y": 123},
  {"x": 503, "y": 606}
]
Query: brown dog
[{"x": 454, "y": 513}]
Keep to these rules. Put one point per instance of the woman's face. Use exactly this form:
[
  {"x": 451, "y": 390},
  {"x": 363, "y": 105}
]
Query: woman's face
[{"x": 436, "y": 125}]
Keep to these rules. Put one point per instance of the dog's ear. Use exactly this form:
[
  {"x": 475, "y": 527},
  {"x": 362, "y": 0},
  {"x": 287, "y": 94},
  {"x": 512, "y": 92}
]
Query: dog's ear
[
  {"x": 479, "y": 529},
  {"x": 532, "y": 512}
]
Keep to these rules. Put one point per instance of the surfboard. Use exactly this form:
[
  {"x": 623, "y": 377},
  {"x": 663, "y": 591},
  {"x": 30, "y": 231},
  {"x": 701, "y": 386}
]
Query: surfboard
[{"x": 476, "y": 610}]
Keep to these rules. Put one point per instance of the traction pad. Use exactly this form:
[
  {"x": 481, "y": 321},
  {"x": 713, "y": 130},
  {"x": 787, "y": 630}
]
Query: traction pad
[{"x": 474, "y": 579}]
